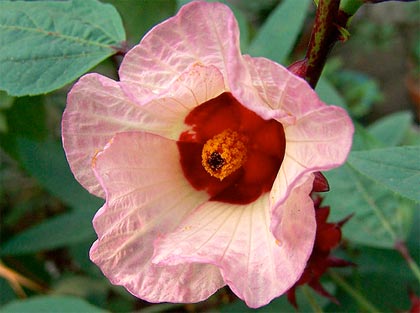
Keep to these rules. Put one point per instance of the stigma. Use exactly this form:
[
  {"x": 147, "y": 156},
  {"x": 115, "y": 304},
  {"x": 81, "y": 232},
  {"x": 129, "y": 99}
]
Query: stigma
[{"x": 225, "y": 153}]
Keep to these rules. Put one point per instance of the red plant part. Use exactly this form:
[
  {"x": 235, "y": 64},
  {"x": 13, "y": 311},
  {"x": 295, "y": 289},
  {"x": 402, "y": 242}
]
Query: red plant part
[
  {"x": 328, "y": 237},
  {"x": 415, "y": 303}
]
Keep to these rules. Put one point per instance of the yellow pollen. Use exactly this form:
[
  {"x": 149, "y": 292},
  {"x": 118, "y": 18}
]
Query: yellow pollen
[{"x": 224, "y": 153}]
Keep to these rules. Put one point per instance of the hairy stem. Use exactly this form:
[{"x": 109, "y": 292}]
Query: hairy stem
[
  {"x": 331, "y": 23},
  {"x": 324, "y": 35}
]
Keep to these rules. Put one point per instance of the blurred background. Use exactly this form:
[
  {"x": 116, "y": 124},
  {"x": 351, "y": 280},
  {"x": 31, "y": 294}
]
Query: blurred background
[{"x": 45, "y": 216}]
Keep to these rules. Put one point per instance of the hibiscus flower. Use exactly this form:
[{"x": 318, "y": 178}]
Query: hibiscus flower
[{"x": 206, "y": 160}]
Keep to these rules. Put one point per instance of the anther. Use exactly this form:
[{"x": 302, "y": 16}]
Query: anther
[{"x": 224, "y": 153}]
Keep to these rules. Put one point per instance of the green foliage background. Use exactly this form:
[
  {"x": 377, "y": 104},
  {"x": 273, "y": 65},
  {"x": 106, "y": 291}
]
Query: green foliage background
[{"x": 46, "y": 215}]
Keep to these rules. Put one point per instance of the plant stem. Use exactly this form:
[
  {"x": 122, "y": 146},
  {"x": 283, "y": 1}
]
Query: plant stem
[
  {"x": 360, "y": 299},
  {"x": 314, "y": 305},
  {"x": 331, "y": 22},
  {"x": 324, "y": 35},
  {"x": 17, "y": 280}
]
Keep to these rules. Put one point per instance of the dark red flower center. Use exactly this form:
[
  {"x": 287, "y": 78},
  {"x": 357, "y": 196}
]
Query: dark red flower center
[{"x": 230, "y": 151}]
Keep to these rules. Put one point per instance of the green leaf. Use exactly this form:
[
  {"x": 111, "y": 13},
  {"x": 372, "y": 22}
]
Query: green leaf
[
  {"x": 47, "y": 44},
  {"x": 3, "y": 123},
  {"x": 363, "y": 140},
  {"x": 180, "y": 3},
  {"x": 42, "y": 304},
  {"x": 47, "y": 163},
  {"x": 79, "y": 253},
  {"x": 360, "y": 91},
  {"x": 6, "y": 101},
  {"x": 59, "y": 231},
  {"x": 92, "y": 289},
  {"x": 413, "y": 238},
  {"x": 140, "y": 16},
  {"x": 391, "y": 130},
  {"x": 395, "y": 168},
  {"x": 7, "y": 294},
  {"x": 25, "y": 118},
  {"x": 385, "y": 275},
  {"x": 382, "y": 277},
  {"x": 380, "y": 218},
  {"x": 329, "y": 94},
  {"x": 412, "y": 137},
  {"x": 277, "y": 36}
]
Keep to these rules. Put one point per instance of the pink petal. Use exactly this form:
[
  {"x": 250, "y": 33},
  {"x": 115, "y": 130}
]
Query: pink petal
[
  {"x": 319, "y": 137},
  {"x": 278, "y": 88},
  {"x": 96, "y": 109},
  {"x": 237, "y": 238},
  {"x": 203, "y": 33},
  {"x": 146, "y": 196},
  {"x": 251, "y": 89},
  {"x": 300, "y": 193},
  {"x": 165, "y": 114},
  {"x": 319, "y": 141}
]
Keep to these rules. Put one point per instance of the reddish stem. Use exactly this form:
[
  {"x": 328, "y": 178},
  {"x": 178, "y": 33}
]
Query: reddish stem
[
  {"x": 324, "y": 35},
  {"x": 402, "y": 249}
]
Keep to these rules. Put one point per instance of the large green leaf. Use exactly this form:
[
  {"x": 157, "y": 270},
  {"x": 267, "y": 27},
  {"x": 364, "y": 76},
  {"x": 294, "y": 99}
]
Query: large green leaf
[
  {"x": 390, "y": 130},
  {"x": 385, "y": 275},
  {"x": 47, "y": 163},
  {"x": 277, "y": 36},
  {"x": 47, "y": 44},
  {"x": 382, "y": 276},
  {"x": 380, "y": 217},
  {"x": 42, "y": 304},
  {"x": 396, "y": 168},
  {"x": 59, "y": 231}
]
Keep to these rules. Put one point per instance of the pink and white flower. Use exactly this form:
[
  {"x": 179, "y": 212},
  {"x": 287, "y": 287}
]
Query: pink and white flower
[{"x": 205, "y": 158}]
